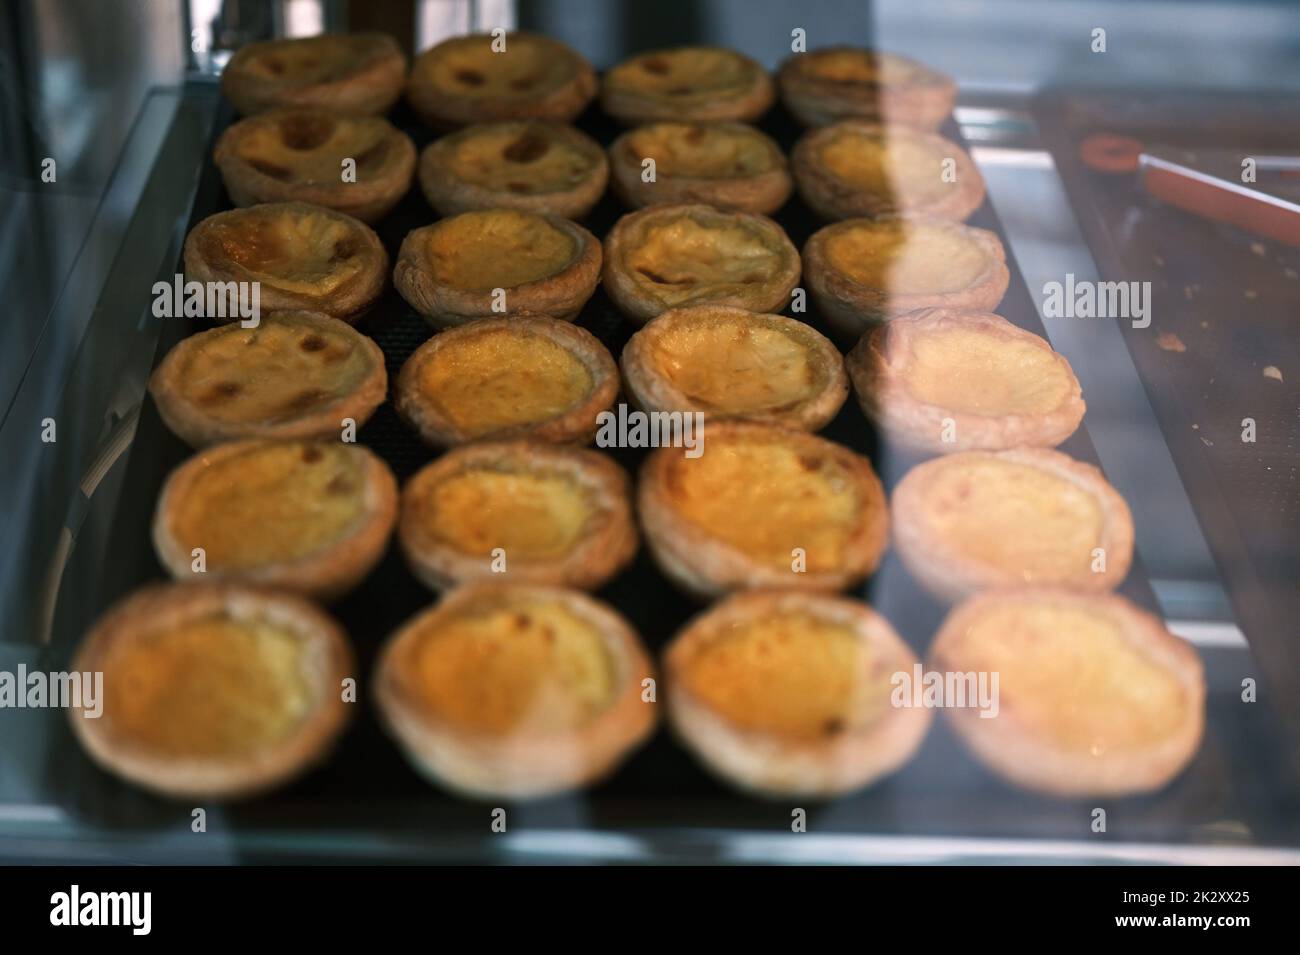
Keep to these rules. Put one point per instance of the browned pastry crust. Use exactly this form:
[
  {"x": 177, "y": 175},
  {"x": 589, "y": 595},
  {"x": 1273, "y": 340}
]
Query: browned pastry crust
[
  {"x": 692, "y": 83},
  {"x": 843, "y": 82},
  {"x": 297, "y": 155},
  {"x": 518, "y": 762},
  {"x": 462, "y": 81},
  {"x": 604, "y": 544},
  {"x": 430, "y": 250},
  {"x": 208, "y": 775},
  {"x": 324, "y": 573},
  {"x": 886, "y": 378},
  {"x": 360, "y": 74},
  {"x": 728, "y": 165},
  {"x": 443, "y": 423},
  {"x": 730, "y": 363},
  {"x": 884, "y": 172},
  {"x": 1009, "y": 551},
  {"x": 704, "y": 517},
  {"x": 852, "y": 304},
  {"x": 287, "y": 247},
  {"x": 762, "y": 756},
  {"x": 280, "y": 371},
  {"x": 539, "y": 167},
  {"x": 666, "y": 257},
  {"x": 1115, "y": 759}
]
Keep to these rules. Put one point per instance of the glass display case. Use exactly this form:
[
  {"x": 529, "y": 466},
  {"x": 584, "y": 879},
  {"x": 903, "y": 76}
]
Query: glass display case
[{"x": 1194, "y": 417}]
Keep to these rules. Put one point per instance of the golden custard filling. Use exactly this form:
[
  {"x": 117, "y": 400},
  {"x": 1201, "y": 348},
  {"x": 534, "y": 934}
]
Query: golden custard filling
[
  {"x": 498, "y": 248},
  {"x": 971, "y": 371},
  {"x": 700, "y": 152},
  {"x": 502, "y": 378},
  {"x": 737, "y": 367},
  {"x": 789, "y": 674},
  {"x": 518, "y": 667},
  {"x": 680, "y": 258},
  {"x": 469, "y": 68},
  {"x": 682, "y": 72},
  {"x": 1022, "y": 520},
  {"x": 766, "y": 498},
  {"x": 310, "y": 147},
  {"x": 895, "y": 165},
  {"x": 912, "y": 259},
  {"x": 311, "y": 60},
  {"x": 214, "y": 686},
  {"x": 272, "y": 503},
  {"x": 518, "y": 160},
  {"x": 280, "y": 370},
  {"x": 299, "y": 252},
  {"x": 533, "y": 515},
  {"x": 1071, "y": 676}
]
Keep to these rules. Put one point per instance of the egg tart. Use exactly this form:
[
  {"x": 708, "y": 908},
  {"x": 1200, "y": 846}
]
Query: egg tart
[
  {"x": 944, "y": 380},
  {"x": 213, "y": 691},
  {"x": 508, "y": 378},
  {"x": 296, "y": 375},
  {"x": 691, "y": 83},
  {"x": 465, "y": 80},
  {"x": 727, "y": 362},
  {"x": 1096, "y": 697},
  {"x": 981, "y": 520},
  {"x": 863, "y": 271},
  {"x": 309, "y": 516},
  {"x": 497, "y": 262},
  {"x": 515, "y": 691},
  {"x": 762, "y": 506},
  {"x": 302, "y": 257},
  {"x": 298, "y": 154},
  {"x": 518, "y": 511},
  {"x": 523, "y": 164},
  {"x": 360, "y": 74},
  {"x": 671, "y": 256},
  {"x": 728, "y": 165},
  {"x": 843, "y": 82},
  {"x": 789, "y": 694},
  {"x": 852, "y": 168}
]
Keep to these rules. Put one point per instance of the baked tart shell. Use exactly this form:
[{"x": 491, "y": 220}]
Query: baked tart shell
[
  {"x": 249, "y": 183},
  {"x": 815, "y": 100},
  {"x": 370, "y": 88},
  {"x": 707, "y": 566},
  {"x": 325, "y": 574},
  {"x": 879, "y": 368},
  {"x": 760, "y": 193},
  {"x": 770, "y": 295},
  {"x": 187, "y": 418},
  {"x": 451, "y": 195},
  {"x": 777, "y": 765},
  {"x": 651, "y": 389},
  {"x": 561, "y": 295},
  {"x": 852, "y": 308},
  {"x": 576, "y": 425},
  {"x": 1014, "y": 751},
  {"x": 348, "y": 303},
  {"x": 441, "y": 109},
  {"x": 634, "y": 106},
  {"x": 607, "y": 545},
  {"x": 522, "y": 765},
  {"x": 833, "y": 198},
  {"x": 952, "y": 576},
  {"x": 233, "y": 777}
]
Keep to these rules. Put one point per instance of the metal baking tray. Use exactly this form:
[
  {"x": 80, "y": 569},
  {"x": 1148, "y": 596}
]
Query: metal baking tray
[
  {"x": 1224, "y": 306},
  {"x": 366, "y": 802}
]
